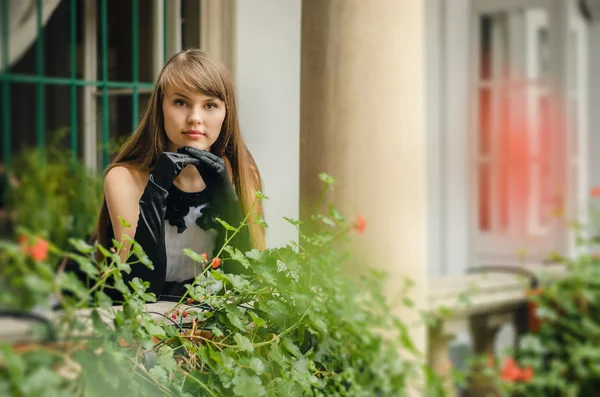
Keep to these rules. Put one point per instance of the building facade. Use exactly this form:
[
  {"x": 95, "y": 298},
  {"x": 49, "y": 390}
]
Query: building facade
[{"x": 464, "y": 131}]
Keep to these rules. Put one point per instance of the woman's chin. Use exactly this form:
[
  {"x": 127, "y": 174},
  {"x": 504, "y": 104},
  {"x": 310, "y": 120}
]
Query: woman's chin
[{"x": 195, "y": 145}]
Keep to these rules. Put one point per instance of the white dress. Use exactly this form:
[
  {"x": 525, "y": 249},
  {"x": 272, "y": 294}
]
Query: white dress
[{"x": 187, "y": 225}]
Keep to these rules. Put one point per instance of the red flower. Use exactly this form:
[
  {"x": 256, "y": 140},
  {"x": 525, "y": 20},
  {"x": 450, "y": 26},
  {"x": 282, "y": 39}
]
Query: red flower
[
  {"x": 174, "y": 317},
  {"x": 510, "y": 370},
  {"x": 527, "y": 374},
  {"x": 203, "y": 255},
  {"x": 185, "y": 314},
  {"x": 190, "y": 301},
  {"x": 595, "y": 192},
  {"x": 513, "y": 373},
  {"x": 216, "y": 263},
  {"x": 360, "y": 224},
  {"x": 38, "y": 251}
]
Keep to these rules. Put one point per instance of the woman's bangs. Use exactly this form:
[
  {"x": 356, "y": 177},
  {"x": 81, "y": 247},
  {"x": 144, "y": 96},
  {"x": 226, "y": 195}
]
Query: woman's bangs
[{"x": 181, "y": 79}]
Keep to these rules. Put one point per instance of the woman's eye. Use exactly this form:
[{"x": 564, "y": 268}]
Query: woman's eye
[
  {"x": 179, "y": 102},
  {"x": 211, "y": 105}
]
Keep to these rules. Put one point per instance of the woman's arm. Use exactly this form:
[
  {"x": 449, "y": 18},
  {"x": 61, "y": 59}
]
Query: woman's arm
[{"x": 123, "y": 188}]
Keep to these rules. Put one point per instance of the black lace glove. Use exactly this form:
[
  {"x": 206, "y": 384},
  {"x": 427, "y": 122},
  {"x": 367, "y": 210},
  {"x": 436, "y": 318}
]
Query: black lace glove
[
  {"x": 150, "y": 231},
  {"x": 224, "y": 198}
]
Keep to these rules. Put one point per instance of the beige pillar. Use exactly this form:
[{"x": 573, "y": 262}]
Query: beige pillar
[{"x": 363, "y": 122}]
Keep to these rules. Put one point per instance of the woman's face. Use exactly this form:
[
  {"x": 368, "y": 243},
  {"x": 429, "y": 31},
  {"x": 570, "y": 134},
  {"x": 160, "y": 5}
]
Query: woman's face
[{"x": 192, "y": 119}]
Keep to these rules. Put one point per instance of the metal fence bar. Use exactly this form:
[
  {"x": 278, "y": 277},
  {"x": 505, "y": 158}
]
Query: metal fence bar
[
  {"x": 41, "y": 81},
  {"x": 33, "y": 79},
  {"x": 104, "y": 56},
  {"x": 134, "y": 63},
  {"x": 6, "y": 121},
  {"x": 40, "y": 89},
  {"x": 73, "y": 87}
]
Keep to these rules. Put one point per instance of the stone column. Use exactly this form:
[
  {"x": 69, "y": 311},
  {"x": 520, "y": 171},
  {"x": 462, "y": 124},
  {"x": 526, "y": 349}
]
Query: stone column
[{"x": 363, "y": 122}]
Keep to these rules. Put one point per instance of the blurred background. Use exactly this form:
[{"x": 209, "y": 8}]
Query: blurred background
[{"x": 465, "y": 131}]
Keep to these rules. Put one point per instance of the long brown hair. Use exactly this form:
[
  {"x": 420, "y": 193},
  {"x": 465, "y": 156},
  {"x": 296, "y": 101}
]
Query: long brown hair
[{"x": 193, "y": 70}]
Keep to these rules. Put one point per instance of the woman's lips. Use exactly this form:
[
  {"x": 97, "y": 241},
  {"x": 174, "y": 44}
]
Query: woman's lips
[{"x": 194, "y": 134}]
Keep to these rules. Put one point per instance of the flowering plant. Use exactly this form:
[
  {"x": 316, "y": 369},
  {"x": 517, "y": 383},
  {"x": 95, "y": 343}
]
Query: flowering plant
[
  {"x": 295, "y": 326},
  {"x": 560, "y": 354}
]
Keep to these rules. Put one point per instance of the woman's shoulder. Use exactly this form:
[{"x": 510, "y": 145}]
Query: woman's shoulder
[{"x": 126, "y": 180}]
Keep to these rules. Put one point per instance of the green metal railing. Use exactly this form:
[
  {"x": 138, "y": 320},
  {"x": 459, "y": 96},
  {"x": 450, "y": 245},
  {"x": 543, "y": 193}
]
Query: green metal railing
[{"x": 41, "y": 81}]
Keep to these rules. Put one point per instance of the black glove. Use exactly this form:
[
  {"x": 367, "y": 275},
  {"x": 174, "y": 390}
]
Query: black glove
[
  {"x": 223, "y": 196},
  {"x": 150, "y": 231}
]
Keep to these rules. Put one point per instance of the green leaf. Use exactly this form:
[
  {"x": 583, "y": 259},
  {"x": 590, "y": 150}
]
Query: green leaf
[
  {"x": 98, "y": 323},
  {"x": 149, "y": 297},
  {"x": 103, "y": 300},
  {"x": 124, "y": 223},
  {"x": 81, "y": 246},
  {"x": 326, "y": 220},
  {"x": 226, "y": 225},
  {"x": 138, "y": 251},
  {"x": 36, "y": 283},
  {"x": 123, "y": 266},
  {"x": 243, "y": 343},
  {"x": 326, "y": 179},
  {"x": 155, "y": 330},
  {"x": 237, "y": 255},
  {"x": 257, "y": 365},
  {"x": 260, "y": 220},
  {"x": 259, "y": 195},
  {"x": 293, "y": 221},
  {"x": 257, "y": 255},
  {"x": 276, "y": 355},
  {"x": 217, "y": 332},
  {"x": 113, "y": 256},
  {"x": 85, "y": 264},
  {"x": 70, "y": 282},
  {"x": 291, "y": 347},
  {"x": 195, "y": 257},
  {"x": 218, "y": 275},
  {"x": 259, "y": 322},
  {"x": 165, "y": 358},
  {"x": 239, "y": 283},
  {"x": 236, "y": 322},
  {"x": 159, "y": 374},
  {"x": 121, "y": 286},
  {"x": 335, "y": 214},
  {"x": 248, "y": 386},
  {"x": 14, "y": 363},
  {"x": 41, "y": 381},
  {"x": 138, "y": 285}
]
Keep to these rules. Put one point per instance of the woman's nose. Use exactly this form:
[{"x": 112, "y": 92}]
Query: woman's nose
[{"x": 195, "y": 116}]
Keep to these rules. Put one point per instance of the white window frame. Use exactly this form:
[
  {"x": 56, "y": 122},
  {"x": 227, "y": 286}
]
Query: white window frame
[{"x": 570, "y": 82}]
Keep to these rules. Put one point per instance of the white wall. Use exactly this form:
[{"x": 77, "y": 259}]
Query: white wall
[
  {"x": 267, "y": 72},
  {"x": 594, "y": 105}
]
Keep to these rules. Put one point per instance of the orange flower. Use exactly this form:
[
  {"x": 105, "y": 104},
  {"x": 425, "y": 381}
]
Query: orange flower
[
  {"x": 360, "y": 224},
  {"x": 510, "y": 370},
  {"x": 595, "y": 192},
  {"x": 527, "y": 374},
  {"x": 38, "y": 251},
  {"x": 216, "y": 263}
]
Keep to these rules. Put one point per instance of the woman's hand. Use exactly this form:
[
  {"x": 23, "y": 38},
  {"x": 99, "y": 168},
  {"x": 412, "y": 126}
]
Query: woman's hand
[
  {"x": 169, "y": 166},
  {"x": 214, "y": 172},
  {"x": 211, "y": 167}
]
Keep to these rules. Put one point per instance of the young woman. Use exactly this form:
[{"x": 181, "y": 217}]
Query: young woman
[{"x": 184, "y": 166}]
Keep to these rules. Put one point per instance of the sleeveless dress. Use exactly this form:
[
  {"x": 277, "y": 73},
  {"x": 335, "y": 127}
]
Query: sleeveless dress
[{"x": 189, "y": 223}]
